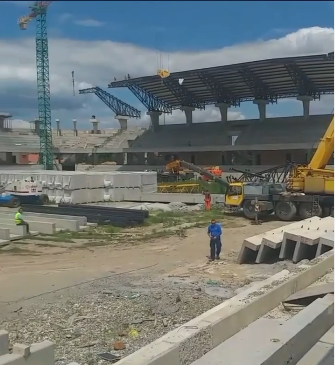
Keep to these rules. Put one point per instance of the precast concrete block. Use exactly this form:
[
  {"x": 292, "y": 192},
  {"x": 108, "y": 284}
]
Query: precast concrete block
[
  {"x": 4, "y": 342},
  {"x": 296, "y": 245},
  {"x": 4, "y": 234},
  {"x": 251, "y": 245},
  {"x": 45, "y": 227},
  {"x": 14, "y": 229},
  {"x": 326, "y": 243}
]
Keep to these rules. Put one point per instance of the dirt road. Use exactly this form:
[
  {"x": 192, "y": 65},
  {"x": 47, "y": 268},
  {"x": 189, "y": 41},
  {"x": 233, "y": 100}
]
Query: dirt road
[{"x": 34, "y": 268}]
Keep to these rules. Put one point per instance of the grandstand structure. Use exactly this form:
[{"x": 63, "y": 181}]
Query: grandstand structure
[{"x": 261, "y": 141}]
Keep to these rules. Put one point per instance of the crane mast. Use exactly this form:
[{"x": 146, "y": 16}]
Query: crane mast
[{"x": 39, "y": 12}]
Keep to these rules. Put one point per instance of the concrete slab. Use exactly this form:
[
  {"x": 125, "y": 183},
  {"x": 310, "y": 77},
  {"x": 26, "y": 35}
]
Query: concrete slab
[
  {"x": 191, "y": 341},
  {"x": 251, "y": 245},
  {"x": 311, "y": 293},
  {"x": 237, "y": 349},
  {"x": 322, "y": 353},
  {"x": 267, "y": 344}
]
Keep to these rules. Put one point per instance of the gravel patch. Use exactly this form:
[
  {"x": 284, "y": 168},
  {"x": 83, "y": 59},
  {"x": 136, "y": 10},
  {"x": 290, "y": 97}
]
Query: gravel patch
[{"x": 120, "y": 311}]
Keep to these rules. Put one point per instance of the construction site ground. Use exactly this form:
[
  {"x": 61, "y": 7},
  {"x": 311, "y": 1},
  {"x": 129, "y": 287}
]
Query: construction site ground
[{"x": 122, "y": 287}]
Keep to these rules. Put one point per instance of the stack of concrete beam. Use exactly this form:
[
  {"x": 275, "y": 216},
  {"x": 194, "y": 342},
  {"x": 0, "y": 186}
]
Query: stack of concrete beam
[
  {"x": 38, "y": 223},
  {"x": 85, "y": 187},
  {"x": 39, "y": 353},
  {"x": 297, "y": 241}
]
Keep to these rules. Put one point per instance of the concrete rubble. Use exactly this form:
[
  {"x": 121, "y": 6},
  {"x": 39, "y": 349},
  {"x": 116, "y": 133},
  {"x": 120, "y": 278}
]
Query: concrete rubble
[
  {"x": 86, "y": 187},
  {"x": 297, "y": 241}
]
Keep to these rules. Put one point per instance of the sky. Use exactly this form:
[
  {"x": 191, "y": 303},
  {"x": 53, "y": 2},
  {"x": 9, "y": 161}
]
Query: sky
[{"x": 101, "y": 40}]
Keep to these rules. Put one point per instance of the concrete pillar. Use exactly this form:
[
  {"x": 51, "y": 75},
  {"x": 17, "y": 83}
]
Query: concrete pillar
[
  {"x": 223, "y": 110},
  {"x": 154, "y": 117},
  {"x": 95, "y": 124},
  {"x": 37, "y": 126},
  {"x": 2, "y": 122},
  {"x": 125, "y": 158},
  {"x": 306, "y": 100},
  {"x": 75, "y": 132},
  {"x": 123, "y": 122},
  {"x": 261, "y": 103},
  {"x": 188, "y": 110},
  {"x": 59, "y": 132}
]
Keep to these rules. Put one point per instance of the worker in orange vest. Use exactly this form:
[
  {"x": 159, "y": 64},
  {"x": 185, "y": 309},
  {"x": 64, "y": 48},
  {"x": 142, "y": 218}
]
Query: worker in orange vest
[{"x": 208, "y": 200}]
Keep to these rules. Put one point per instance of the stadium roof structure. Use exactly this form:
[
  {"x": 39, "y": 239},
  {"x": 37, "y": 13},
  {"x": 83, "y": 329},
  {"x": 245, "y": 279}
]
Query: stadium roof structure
[{"x": 266, "y": 79}]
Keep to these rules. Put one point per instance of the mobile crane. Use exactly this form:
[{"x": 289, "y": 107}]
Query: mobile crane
[{"x": 308, "y": 191}]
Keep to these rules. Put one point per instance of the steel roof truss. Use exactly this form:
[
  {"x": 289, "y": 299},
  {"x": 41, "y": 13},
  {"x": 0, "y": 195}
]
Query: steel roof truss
[
  {"x": 304, "y": 84},
  {"x": 150, "y": 101},
  {"x": 257, "y": 86},
  {"x": 222, "y": 94},
  {"x": 182, "y": 94}
]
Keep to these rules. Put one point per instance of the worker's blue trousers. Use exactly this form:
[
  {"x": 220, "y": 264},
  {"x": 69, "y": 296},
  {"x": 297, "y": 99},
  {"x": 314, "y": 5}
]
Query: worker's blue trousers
[{"x": 215, "y": 245}]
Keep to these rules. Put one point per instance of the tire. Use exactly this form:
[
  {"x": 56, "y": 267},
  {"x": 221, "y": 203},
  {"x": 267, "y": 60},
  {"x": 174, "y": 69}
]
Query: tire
[
  {"x": 286, "y": 211},
  {"x": 44, "y": 199},
  {"x": 14, "y": 203},
  {"x": 248, "y": 210},
  {"x": 306, "y": 210}
]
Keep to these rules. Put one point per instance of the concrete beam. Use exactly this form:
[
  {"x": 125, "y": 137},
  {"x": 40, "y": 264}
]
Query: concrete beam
[
  {"x": 190, "y": 341},
  {"x": 253, "y": 345}
]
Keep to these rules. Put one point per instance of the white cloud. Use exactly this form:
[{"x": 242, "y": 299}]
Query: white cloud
[
  {"x": 89, "y": 23},
  {"x": 98, "y": 62},
  {"x": 19, "y": 123}
]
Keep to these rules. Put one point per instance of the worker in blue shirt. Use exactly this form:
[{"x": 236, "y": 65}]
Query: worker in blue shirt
[{"x": 214, "y": 232}]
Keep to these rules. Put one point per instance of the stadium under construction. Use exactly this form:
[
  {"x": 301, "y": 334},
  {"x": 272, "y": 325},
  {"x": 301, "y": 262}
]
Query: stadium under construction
[{"x": 257, "y": 142}]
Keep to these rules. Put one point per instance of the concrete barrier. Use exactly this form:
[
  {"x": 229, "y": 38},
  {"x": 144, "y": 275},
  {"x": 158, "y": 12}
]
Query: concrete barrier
[
  {"x": 269, "y": 341},
  {"x": 14, "y": 229},
  {"x": 65, "y": 223},
  {"x": 40, "y": 226},
  {"x": 4, "y": 234},
  {"x": 191, "y": 341},
  {"x": 37, "y": 354}
]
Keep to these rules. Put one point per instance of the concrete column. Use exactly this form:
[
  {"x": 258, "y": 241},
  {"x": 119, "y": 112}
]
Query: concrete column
[
  {"x": 123, "y": 122},
  {"x": 125, "y": 158},
  {"x": 59, "y": 132},
  {"x": 223, "y": 110},
  {"x": 37, "y": 126},
  {"x": 261, "y": 108},
  {"x": 95, "y": 124},
  {"x": 75, "y": 132},
  {"x": 154, "y": 117},
  {"x": 306, "y": 100},
  {"x": 2, "y": 122},
  {"x": 188, "y": 110}
]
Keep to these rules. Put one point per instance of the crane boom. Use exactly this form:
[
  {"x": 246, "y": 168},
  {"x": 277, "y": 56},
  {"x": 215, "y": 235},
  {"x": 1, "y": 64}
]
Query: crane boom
[{"x": 325, "y": 149}]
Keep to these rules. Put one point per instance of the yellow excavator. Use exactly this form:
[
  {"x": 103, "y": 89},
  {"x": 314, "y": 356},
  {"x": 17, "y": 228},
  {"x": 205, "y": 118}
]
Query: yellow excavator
[{"x": 308, "y": 191}]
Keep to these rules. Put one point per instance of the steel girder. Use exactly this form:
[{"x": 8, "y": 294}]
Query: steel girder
[
  {"x": 150, "y": 101},
  {"x": 118, "y": 106},
  {"x": 304, "y": 84},
  {"x": 182, "y": 94},
  {"x": 257, "y": 86},
  {"x": 222, "y": 93}
]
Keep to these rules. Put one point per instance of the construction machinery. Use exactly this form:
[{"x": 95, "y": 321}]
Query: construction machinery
[
  {"x": 39, "y": 12},
  {"x": 303, "y": 191},
  {"x": 26, "y": 191}
]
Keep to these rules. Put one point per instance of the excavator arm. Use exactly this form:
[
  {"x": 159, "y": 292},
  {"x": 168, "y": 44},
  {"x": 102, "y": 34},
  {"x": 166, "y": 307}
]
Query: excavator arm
[{"x": 325, "y": 149}]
